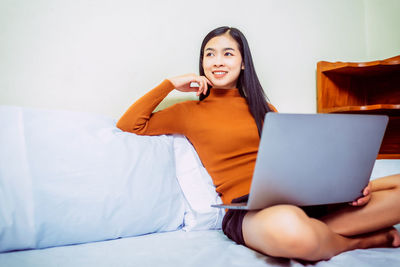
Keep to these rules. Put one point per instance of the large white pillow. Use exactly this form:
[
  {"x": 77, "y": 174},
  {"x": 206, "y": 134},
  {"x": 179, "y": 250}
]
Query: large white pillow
[
  {"x": 197, "y": 187},
  {"x": 70, "y": 177}
]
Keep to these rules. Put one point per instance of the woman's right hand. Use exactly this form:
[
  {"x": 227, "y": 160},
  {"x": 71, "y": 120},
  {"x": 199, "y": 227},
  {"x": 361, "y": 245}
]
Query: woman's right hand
[{"x": 183, "y": 83}]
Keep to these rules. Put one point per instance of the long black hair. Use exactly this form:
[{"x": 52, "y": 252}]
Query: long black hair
[{"x": 248, "y": 84}]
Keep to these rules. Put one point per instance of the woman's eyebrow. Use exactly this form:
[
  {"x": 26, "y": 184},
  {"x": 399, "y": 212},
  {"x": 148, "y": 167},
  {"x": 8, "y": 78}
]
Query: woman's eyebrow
[{"x": 225, "y": 49}]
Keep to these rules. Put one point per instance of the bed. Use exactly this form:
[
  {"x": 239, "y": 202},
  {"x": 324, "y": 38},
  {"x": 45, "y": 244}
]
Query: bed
[{"x": 77, "y": 191}]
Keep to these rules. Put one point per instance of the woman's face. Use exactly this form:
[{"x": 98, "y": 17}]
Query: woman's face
[{"x": 222, "y": 61}]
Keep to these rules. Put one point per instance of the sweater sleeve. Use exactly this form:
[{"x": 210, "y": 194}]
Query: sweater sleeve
[
  {"x": 140, "y": 119},
  {"x": 272, "y": 107}
]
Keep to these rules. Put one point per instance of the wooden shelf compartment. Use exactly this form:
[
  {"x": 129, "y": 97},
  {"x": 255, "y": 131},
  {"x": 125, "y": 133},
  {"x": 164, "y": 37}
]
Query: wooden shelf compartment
[{"x": 358, "y": 84}]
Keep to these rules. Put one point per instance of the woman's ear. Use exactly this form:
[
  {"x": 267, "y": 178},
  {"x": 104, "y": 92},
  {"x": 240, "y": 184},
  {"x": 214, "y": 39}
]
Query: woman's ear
[{"x": 242, "y": 65}]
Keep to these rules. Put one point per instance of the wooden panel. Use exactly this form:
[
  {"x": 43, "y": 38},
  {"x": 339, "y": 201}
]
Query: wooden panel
[
  {"x": 386, "y": 109},
  {"x": 360, "y": 67},
  {"x": 391, "y": 140}
]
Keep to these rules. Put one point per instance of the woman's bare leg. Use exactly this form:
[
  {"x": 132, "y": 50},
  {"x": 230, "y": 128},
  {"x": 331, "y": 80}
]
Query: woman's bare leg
[
  {"x": 286, "y": 231},
  {"x": 383, "y": 210}
]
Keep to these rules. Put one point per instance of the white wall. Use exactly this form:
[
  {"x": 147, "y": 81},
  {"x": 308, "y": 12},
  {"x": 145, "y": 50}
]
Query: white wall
[
  {"x": 382, "y": 28},
  {"x": 100, "y": 56}
]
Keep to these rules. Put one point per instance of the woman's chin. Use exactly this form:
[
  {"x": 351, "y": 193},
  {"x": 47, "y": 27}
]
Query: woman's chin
[{"x": 217, "y": 85}]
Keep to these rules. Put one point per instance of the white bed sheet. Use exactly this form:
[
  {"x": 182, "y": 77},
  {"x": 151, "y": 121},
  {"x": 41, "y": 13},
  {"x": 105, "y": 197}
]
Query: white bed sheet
[{"x": 180, "y": 248}]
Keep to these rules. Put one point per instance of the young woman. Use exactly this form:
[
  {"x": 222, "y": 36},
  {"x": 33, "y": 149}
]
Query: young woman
[{"x": 225, "y": 126}]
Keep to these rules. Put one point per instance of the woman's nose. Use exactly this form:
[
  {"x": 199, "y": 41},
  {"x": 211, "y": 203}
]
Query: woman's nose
[{"x": 218, "y": 61}]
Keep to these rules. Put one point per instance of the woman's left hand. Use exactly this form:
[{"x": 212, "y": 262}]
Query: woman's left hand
[{"x": 365, "y": 198}]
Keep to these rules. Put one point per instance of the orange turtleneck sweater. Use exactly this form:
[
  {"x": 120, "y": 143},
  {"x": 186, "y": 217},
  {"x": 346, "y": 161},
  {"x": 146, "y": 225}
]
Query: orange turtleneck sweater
[{"x": 221, "y": 128}]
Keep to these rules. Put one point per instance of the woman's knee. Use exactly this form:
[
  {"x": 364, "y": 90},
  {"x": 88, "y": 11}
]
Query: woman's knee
[
  {"x": 396, "y": 181},
  {"x": 387, "y": 182},
  {"x": 292, "y": 227},
  {"x": 284, "y": 229}
]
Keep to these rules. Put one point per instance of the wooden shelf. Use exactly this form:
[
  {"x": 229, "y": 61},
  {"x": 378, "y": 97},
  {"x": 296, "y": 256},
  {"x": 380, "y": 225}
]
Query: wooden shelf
[
  {"x": 387, "y": 109},
  {"x": 362, "y": 68},
  {"x": 365, "y": 88}
]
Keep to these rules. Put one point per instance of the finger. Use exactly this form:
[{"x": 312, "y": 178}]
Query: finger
[
  {"x": 201, "y": 86},
  {"x": 357, "y": 202},
  {"x": 205, "y": 86},
  {"x": 354, "y": 203},
  {"x": 198, "y": 92},
  {"x": 367, "y": 198},
  {"x": 194, "y": 85},
  {"x": 367, "y": 189},
  {"x": 362, "y": 201}
]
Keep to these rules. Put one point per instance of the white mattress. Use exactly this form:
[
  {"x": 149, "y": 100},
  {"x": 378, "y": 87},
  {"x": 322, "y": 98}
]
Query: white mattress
[{"x": 180, "y": 248}]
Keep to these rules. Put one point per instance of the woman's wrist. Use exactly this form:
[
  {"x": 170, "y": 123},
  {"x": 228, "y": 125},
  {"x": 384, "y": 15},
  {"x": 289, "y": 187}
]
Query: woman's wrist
[{"x": 171, "y": 81}]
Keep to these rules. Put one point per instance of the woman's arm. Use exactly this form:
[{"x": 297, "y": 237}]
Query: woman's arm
[
  {"x": 136, "y": 118},
  {"x": 140, "y": 119},
  {"x": 384, "y": 183}
]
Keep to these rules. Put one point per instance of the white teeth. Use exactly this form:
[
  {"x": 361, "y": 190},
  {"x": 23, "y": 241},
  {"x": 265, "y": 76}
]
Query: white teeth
[{"x": 219, "y": 72}]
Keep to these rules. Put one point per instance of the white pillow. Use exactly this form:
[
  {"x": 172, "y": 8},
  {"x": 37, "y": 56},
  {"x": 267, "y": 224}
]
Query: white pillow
[
  {"x": 70, "y": 177},
  {"x": 197, "y": 187}
]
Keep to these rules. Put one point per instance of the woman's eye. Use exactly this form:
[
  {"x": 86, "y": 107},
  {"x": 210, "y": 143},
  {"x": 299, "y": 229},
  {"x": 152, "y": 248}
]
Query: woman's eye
[
  {"x": 209, "y": 54},
  {"x": 228, "y": 54}
]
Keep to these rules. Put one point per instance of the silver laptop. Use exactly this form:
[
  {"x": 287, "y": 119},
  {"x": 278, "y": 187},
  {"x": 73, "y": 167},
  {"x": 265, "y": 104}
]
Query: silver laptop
[{"x": 313, "y": 159}]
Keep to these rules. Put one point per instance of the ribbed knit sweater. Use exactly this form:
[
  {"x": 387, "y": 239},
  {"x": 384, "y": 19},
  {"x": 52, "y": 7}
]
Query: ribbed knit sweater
[{"x": 221, "y": 129}]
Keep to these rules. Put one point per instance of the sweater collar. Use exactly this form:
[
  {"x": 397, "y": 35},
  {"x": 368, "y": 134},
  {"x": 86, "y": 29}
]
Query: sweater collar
[{"x": 216, "y": 92}]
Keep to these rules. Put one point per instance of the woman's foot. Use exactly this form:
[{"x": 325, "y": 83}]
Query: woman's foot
[
  {"x": 388, "y": 237},
  {"x": 396, "y": 238}
]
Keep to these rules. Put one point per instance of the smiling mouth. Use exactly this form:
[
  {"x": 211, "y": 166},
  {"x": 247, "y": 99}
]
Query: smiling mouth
[{"x": 219, "y": 74}]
